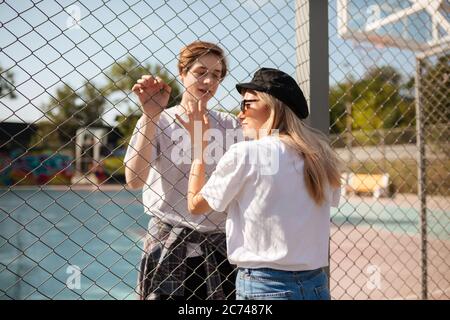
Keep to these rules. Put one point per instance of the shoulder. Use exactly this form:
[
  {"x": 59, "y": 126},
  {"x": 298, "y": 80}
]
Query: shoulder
[
  {"x": 259, "y": 157},
  {"x": 269, "y": 143},
  {"x": 237, "y": 154},
  {"x": 246, "y": 148}
]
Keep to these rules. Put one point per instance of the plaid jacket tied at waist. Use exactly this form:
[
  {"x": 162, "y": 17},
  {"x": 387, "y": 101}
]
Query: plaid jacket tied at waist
[{"x": 162, "y": 271}]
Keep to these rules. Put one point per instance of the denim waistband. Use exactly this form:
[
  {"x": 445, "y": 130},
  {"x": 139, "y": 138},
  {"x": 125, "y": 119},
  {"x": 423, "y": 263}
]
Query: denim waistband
[{"x": 306, "y": 274}]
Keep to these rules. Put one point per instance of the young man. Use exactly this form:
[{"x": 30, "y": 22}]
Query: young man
[{"x": 184, "y": 255}]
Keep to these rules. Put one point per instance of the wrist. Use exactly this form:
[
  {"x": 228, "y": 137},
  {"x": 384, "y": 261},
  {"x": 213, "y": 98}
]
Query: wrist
[
  {"x": 197, "y": 161},
  {"x": 152, "y": 115}
]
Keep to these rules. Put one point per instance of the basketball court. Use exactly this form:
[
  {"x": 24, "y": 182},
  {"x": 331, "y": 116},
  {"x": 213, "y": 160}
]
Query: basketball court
[{"x": 100, "y": 232}]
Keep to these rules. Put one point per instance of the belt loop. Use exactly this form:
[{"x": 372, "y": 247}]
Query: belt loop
[{"x": 245, "y": 271}]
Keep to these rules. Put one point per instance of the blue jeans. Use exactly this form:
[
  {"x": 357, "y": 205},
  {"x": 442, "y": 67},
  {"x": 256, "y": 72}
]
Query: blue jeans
[{"x": 271, "y": 284}]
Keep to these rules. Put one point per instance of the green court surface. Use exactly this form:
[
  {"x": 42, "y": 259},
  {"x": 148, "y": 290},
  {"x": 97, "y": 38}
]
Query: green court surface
[{"x": 398, "y": 219}]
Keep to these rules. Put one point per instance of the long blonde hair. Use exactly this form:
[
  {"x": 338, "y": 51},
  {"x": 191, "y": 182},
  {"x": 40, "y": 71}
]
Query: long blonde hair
[{"x": 321, "y": 164}]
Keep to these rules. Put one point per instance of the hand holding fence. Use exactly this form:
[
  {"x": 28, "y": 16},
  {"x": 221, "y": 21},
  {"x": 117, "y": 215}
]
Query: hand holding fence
[{"x": 153, "y": 94}]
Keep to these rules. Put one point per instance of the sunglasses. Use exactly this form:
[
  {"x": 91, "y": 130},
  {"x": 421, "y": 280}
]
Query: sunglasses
[{"x": 244, "y": 102}]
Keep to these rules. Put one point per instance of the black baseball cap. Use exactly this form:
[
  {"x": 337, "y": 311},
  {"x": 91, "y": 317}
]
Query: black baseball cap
[{"x": 280, "y": 85}]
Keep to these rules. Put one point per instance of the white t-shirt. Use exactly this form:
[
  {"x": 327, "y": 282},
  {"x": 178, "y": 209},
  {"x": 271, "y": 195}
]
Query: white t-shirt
[
  {"x": 164, "y": 194},
  {"x": 272, "y": 222}
]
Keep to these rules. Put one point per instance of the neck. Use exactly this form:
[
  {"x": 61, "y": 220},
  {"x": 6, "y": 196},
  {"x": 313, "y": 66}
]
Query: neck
[{"x": 263, "y": 132}]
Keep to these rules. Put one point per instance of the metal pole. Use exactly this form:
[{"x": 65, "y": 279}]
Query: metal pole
[
  {"x": 421, "y": 175},
  {"x": 78, "y": 150},
  {"x": 311, "y": 19},
  {"x": 349, "y": 125},
  {"x": 311, "y": 29}
]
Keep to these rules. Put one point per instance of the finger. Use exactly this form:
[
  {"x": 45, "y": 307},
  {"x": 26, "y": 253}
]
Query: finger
[
  {"x": 145, "y": 80},
  {"x": 201, "y": 105},
  {"x": 159, "y": 80},
  {"x": 183, "y": 123},
  {"x": 190, "y": 108},
  {"x": 136, "y": 88},
  {"x": 167, "y": 88},
  {"x": 147, "y": 77},
  {"x": 149, "y": 82},
  {"x": 206, "y": 119},
  {"x": 160, "y": 83}
]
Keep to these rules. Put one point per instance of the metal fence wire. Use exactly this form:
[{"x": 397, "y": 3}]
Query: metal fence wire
[{"x": 71, "y": 229}]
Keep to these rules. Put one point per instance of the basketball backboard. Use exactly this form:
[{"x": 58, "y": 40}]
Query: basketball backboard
[{"x": 418, "y": 25}]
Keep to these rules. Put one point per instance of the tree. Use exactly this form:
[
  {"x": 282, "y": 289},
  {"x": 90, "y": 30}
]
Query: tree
[
  {"x": 121, "y": 78},
  {"x": 7, "y": 84},
  {"x": 72, "y": 109},
  {"x": 126, "y": 125},
  {"x": 434, "y": 96},
  {"x": 123, "y": 75},
  {"x": 376, "y": 102},
  {"x": 68, "y": 111},
  {"x": 435, "y": 91}
]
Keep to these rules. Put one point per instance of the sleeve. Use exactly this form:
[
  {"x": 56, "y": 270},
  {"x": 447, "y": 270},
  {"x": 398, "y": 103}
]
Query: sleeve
[
  {"x": 335, "y": 198},
  {"x": 131, "y": 149},
  {"x": 227, "y": 180}
]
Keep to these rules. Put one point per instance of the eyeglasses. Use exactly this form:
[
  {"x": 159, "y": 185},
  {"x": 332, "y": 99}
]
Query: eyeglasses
[{"x": 244, "y": 102}]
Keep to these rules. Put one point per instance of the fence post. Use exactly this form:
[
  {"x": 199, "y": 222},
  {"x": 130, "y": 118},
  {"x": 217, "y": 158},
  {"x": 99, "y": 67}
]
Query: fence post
[
  {"x": 311, "y": 30},
  {"x": 311, "y": 19},
  {"x": 421, "y": 175}
]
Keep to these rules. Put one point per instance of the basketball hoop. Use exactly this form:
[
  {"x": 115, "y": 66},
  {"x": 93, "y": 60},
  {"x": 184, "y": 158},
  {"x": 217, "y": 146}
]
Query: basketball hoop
[{"x": 378, "y": 22}]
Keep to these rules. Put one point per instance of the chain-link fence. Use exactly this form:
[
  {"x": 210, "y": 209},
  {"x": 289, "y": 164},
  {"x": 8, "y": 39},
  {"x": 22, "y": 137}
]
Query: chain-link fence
[{"x": 69, "y": 227}]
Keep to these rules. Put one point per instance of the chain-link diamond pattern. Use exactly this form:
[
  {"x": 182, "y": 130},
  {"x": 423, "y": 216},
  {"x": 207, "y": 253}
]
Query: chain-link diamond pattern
[{"x": 70, "y": 229}]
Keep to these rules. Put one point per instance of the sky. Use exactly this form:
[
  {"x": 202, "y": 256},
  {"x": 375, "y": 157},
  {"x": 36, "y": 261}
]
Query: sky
[{"x": 44, "y": 46}]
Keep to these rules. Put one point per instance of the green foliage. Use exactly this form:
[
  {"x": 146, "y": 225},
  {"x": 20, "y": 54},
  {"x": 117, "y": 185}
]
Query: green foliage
[
  {"x": 46, "y": 136},
  {"x": 376, "y": 102},
  {"x": 113, "y": 165},
  {"x": 126, "y": 125},
  {"x": 122, "y": 76},
  {"x": 436, "y": 91},
  {"x": 72, "y": 109},
  {"x": 7, "y": 84}
]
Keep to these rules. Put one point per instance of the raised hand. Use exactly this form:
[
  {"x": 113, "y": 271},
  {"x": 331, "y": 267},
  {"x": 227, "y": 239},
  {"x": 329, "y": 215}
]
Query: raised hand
[
  {"x": 197, "y": 125},
  {"x": 197, "y": 115},
  {"x": 153, "y": 94}
]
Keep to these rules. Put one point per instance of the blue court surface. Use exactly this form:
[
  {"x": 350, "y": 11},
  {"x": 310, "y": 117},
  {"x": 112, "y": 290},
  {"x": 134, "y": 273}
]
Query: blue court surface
[{"x": 45, "y": 234}]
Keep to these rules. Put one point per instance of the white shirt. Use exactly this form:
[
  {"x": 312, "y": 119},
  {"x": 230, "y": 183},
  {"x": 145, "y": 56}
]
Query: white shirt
[
  {"x": 164, "y": 194},
  {"x": 272, "y": 222}
]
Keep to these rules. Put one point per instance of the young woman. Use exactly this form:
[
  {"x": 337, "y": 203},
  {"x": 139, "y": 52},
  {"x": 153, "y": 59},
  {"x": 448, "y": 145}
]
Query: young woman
[
  {"x": 277, "y": 190},
  {"x": 184, "y": 255}
]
